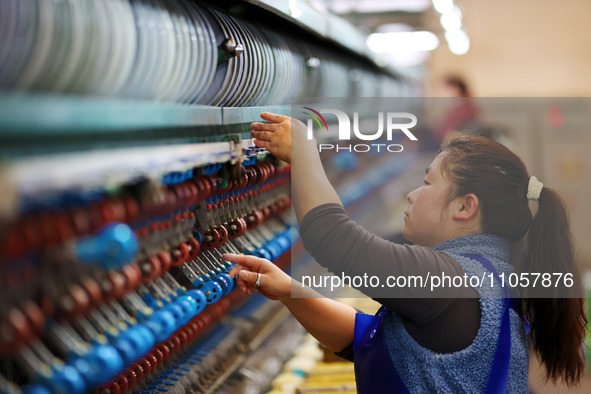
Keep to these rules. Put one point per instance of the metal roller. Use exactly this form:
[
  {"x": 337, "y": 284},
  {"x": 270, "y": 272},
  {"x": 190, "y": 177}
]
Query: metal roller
[{"x": 177, "y": 50}]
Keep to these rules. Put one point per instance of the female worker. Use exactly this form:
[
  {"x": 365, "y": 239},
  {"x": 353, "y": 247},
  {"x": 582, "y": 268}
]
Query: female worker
[{"x": 477, "y": 201}]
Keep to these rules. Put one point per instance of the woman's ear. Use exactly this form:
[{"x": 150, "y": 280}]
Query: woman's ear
[{"x": 465, "y": 207}]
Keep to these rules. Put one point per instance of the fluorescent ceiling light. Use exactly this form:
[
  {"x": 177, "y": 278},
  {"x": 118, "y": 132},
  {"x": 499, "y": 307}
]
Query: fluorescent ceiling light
[
  {"x": 371, "y": 6},
  {"x": 402, "y": 41},
  {"x": 393, "y": 28},
  {"x": 458, "y": 41},
  {"x": 403, "y": 59},
  {"x": 443, "y": 6},
  {"x": 451, "y": 21}
]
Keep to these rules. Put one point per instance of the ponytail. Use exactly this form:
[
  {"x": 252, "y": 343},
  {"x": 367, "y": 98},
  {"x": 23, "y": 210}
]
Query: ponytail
[{"x": 558, "y": 325}]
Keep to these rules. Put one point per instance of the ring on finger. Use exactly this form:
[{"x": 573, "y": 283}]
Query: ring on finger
[{"x": 258, "y": 281}]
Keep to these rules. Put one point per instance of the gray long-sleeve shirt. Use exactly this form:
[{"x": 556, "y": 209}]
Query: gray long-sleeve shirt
[{"x": 444, "y": 324}]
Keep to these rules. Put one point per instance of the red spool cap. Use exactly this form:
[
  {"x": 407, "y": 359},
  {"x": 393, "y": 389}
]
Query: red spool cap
[
  {"x": 117, "y": 282},
  {"x": 158, "y": 355},
  {"x": 35, "y": 316},
  {"x": 93, "y": 290},
  {"x": 150, "y": 269},
  {"x": 139, "y": 371},
  {"x": 132, "y": 275},
  {"x": 115, "y": 387},
  {"x": 194, "y": 248},
  {"x": 165, "y": 259},
  {"x": 146, "y": 365},
  {"x": 164, "y": 349},
  {"x": 127, "y": 379},
  {"x": 180, "y": 254},
  {"x": 80, "y": 298}
]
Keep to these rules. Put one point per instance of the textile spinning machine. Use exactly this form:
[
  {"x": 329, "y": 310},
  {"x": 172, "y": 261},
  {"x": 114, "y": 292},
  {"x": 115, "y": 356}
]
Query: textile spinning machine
[{"x": 126, "y": 171}]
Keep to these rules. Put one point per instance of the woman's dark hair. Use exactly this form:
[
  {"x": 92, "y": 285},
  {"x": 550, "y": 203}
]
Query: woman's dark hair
[
  {"x": 500, "y": 181},
  {"x": 459, "y": 83}
]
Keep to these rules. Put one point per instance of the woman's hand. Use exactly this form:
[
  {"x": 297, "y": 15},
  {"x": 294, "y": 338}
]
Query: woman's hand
[
  {"x": 287, "y": 139},
  {"x": 276, "y": 136},
  {"x": 329, "y": 321},
  {"x": 273, "y": 284}
]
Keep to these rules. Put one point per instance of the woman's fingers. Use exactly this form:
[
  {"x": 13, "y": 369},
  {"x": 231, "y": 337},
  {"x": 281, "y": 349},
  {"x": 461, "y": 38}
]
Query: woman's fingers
[
  {"x": 258, "y": 126},
  {"x": 242, "y": 279},
  {"x": 247, "y": 269},
  {"x": 261, "y": 135},
  {"x": 273, "y": 283},
  {"x": 250, "y": 278},
  {"x": 251, "y": 262},
  {"x": 246, "y": 279},
  {"x": 274, "y": 118},
  {"x": 247, "y": 282},
  {"x": 235, "y": 270},
  {"x": 274, "y": 136}
]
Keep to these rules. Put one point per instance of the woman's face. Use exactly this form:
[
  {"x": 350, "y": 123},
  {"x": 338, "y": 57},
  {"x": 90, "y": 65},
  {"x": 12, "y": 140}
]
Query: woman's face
[{"x": 427, "y": 219}]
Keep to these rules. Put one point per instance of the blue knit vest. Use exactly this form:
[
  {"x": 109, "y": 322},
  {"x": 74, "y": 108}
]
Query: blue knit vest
[{"x": 465, "y": 371}]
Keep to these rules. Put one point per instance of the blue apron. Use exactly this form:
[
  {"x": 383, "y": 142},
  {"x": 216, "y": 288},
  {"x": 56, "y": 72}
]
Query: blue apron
[{"x": 375, "y": 372}]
